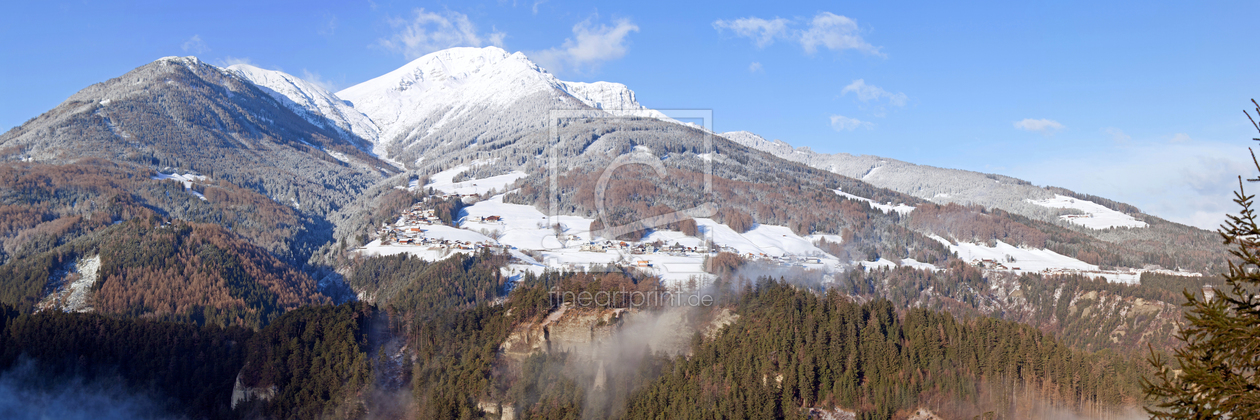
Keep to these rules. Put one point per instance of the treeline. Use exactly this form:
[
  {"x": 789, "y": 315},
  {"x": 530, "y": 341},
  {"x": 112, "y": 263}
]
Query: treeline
[
  {"x": 793, "y": 349},
  {"x": 454, "y": 320},
  {"x": 1174, "y": 285},
  {"x": 314, "y": 356},
  {"x": 1081, "y": 311},
  {"x": 316, "y": 359},
  {"x": 187, "y": 369},
  {"x": 406, "y": 283}
]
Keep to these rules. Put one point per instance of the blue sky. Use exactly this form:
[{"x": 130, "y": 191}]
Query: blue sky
[{"x": 1139, "y": 102}]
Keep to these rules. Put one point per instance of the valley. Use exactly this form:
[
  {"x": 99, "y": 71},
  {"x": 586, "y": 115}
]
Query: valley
[{"x": 403, "y": 248}]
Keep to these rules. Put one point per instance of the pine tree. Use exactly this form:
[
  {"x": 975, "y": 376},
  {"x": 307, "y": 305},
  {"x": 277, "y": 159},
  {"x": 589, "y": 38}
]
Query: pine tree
[{"x": 1221, "y": 358}]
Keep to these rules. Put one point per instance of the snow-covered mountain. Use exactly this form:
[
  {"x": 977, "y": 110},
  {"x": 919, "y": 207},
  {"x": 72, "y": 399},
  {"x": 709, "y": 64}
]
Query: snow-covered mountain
[
  {"x": 446, "y": 95},
  {"x": 939, "y": 185},
  {"x": 311, "y": 101}
]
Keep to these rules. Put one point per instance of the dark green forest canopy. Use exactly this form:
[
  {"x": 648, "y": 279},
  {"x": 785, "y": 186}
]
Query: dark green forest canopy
[{"x": 794, "y": 348}]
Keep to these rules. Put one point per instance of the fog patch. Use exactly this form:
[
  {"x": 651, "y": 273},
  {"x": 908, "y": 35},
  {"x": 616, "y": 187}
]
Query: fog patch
[
  {"x": 26, "y": 393},
  {"x": 605, "y": 353}
]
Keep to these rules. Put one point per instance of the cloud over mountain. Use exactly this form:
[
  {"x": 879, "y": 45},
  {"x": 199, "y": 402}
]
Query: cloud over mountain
[
  {"x": 591, "y": 45},
  {"x": 427, "y": 32}
]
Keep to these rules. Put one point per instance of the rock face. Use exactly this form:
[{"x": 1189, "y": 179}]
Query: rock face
[
  {"x": 566, "y": 329},
  {"x": 241, "y": 393},
  {"x": 832, "y": 414},
  {"x": 70, "y": 290}
]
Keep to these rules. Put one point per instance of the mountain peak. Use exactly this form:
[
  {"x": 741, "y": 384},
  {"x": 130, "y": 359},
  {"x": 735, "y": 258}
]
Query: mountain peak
[{"x": 445, "y": 89}]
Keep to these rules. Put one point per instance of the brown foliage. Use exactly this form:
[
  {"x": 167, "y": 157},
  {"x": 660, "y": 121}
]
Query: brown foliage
[
  {"x": 974, "y": 223},
  {"x": 724, "y": 264},
  {"x": 738, "y": 220},
  {"x": 191, "y": 266}
]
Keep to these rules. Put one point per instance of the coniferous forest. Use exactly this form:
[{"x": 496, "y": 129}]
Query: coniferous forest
[{"x": 191, "y": 240}]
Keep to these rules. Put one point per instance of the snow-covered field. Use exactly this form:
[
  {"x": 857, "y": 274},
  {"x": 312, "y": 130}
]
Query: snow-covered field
[
  {"x": 186, "y": 179},
  {"x": 1027, "y": 259},
  {"x": 1096, "y": 216},
  {"x": 912, "y": 263},
  {"x": 901, "y": 209},
  {"x": 877, "y": 264},
  {"x": 523, "y": 227},
  {"x": 444, "y": 181},
  {"x": 1044, "y": 261}
]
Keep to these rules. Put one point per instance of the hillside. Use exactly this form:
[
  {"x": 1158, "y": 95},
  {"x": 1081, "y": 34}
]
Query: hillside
[
  {"x": 451, "y": 203},
  {"x": 183, "y": 115}
]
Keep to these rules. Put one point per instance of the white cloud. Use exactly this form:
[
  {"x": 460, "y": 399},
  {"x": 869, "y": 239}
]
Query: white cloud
[
  {"x": 1043, "y": 126},
  {"x": 1117, "y": 135},
  {"x": 1180, "y": 138},
  {"x": 536, "y": 3},
  {"x": 591, "y": 45},
  {"x": 427, "y": 32},
  {"x": 755, "y": 67},
  {"x": 868, "y": 93},
  {"x": 763, "y": 32},
  {"x": 825, "y": 30},
  {"x": 195, "y": 45},
  {"x": 318, "y": 80},
  {"x": 836, "y": 33},
  {"x": 1190, "y": 183},
  {"x": 232, "y": 61},
  {"x": 843, "y": 123},
  {"x": 329, "y": 28}
]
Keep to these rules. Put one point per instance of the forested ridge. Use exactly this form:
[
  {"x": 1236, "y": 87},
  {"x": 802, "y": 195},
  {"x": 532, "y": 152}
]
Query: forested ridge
[
  {"x": 792, "y": 348},
  {"x": 173, "y": 270},
  {"x": 316, "y": 358},
  {"x": 187, "y": 369},
  {"x": 314, "y": 355},
  {"x": 216, "y": 284},
  {"x": 795, "y": 349}
]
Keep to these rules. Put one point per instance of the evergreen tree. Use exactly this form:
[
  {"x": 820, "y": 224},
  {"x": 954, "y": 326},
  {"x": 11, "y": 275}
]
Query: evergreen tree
[{"x": 1221, "y": 357}]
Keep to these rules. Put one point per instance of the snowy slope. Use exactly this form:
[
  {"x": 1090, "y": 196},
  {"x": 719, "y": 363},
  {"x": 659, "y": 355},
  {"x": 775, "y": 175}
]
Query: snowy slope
[
  {"x": 615, "y": 98},
  {"x": 312, "y": 102},
  {"x": 444, "y": 182},
  {"x": 1027, "y": 259},
  {"x": 940, "y": 185},
  {"x": 1096, "y": 216},
  {"x": 414, "y": 101},
  {"x": 902, "y": 209},
  {"x": 186, "y": 179}
]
